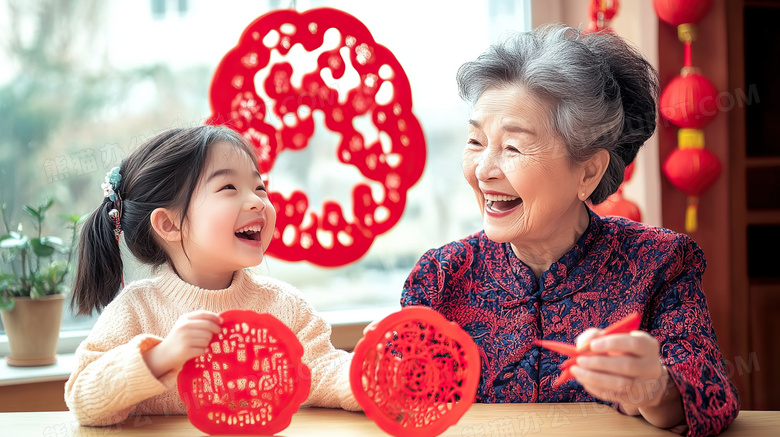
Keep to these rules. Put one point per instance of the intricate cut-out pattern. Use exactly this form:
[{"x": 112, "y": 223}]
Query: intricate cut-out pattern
[
  {"x": 415, "y": 373},
  {"x": 282, "y": 119},
  {"x": 250, "y": 382}
]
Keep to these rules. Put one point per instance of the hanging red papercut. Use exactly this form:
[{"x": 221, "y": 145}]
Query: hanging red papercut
[
  {"x": 250, "y": 382},
  {"x": 382, "y": 94},
  {"x": 416, "y": 373},
  {"x": 689, "y": 101}
]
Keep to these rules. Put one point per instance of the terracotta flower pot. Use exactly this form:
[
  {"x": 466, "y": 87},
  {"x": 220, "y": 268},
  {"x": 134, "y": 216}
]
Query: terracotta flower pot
[{"x": 33, "y": 328}]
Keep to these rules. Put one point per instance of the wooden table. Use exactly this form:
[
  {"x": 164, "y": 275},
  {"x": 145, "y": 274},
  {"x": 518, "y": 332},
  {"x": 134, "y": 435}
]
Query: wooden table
[{"x": 482, "y": 420}]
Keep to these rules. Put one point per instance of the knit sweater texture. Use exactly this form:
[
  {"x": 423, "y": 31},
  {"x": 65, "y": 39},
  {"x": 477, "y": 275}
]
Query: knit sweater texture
[{"x": 112, "y": 380}]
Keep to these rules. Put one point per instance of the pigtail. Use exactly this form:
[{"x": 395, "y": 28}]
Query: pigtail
[
  {"x": 161, "y": 173},
  {"x": 99, "y": 271}
]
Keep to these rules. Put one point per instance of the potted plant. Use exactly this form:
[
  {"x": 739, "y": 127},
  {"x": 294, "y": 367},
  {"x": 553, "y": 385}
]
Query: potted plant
[{"x": 33, "y": 269}]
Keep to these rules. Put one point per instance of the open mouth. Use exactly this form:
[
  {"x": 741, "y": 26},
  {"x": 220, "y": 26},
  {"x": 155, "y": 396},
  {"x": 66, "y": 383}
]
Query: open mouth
[
  {"x": 249, "y": 235},
  {"x": 501, "y": 202},
  {"x": 249, "y": 232}
]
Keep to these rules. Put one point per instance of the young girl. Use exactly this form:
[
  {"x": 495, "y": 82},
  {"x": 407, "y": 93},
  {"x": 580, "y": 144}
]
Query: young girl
[{"x": 191, "y": 202}]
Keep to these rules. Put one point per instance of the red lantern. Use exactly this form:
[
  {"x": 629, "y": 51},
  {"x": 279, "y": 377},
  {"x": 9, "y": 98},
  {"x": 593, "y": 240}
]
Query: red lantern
[
  {"x": 692, "y": 171},
  {"x": 628, "y": 172},
  {"x": 677, "y": 12},
  {"x": 618, "y": 205},
  {"x": 689, "y": 101}
]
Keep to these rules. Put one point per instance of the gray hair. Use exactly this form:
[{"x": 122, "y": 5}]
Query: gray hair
[{"x": 602, "y": 92}]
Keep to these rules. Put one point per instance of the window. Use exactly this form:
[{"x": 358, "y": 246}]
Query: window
[
  {"x": 160, "y": 8},
  {"x": 118, "y": 84}
]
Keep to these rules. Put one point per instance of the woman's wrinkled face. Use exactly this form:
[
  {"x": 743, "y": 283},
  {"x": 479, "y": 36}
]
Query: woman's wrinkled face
[{"x": 519, "y": 170}]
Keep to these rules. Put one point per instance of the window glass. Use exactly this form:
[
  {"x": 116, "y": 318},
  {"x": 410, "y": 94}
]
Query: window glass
[{"x": 82, "y": 85}]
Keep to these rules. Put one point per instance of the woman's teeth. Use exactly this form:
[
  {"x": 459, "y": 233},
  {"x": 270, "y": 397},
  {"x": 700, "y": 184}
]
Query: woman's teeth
[{"x": 501, "y": 202}]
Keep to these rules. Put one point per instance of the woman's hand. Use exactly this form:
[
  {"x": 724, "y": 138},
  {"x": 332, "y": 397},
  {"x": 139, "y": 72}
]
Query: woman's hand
[
  {"x": 630, "y": 373},
  {"x": 188, "y": 339}
]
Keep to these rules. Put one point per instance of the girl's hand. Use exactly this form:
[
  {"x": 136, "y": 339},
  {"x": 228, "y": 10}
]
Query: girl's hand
[
  {"x": 629, "y": 373},
  {"x": 188, "y": 339}
]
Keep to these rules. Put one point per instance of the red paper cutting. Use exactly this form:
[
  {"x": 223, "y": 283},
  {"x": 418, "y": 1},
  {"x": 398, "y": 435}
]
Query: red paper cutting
[
  {"x": 237, "y": 102},
  {"x": 623, "y": 326},
  {"x": 415, "y": 373},
  {"x": 250, "y": 382}
]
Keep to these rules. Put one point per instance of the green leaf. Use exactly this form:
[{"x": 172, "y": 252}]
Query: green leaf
[
  {"x": 6, "y": 304},
  {"x": 32, "y": 212},
  {"x": 70, "y": 218},
  {"x": 39, "y": 290},
  {"x": 40, "y": 248},
  {"x": 55, "y": 271},
  {"x": 52, "y": 241},
  {"x": 14, "y": 243}
]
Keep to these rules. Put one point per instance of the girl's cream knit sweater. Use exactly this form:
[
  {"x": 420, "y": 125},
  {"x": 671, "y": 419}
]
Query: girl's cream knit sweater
[{"x": 113, "y": 382}]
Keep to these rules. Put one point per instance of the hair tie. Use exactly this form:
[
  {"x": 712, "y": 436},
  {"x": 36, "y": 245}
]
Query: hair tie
[
  {"x": 111, "y": 184},
  {"x": 111, "y": 191}
]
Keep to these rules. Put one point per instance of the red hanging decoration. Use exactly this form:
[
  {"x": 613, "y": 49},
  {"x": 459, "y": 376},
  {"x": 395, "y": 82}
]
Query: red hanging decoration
[
  {"x": 383, "y": 95},
  {"x": 601, "y": 13},
  {"x": 691, "y": 170},
  {"x": 250, "y": 382},
  {"x": 690, "y": 102},
  {"x": 618, "y": 205},
  {"x": 416, "y": 373},
  {"x": 678, "y": 12}
]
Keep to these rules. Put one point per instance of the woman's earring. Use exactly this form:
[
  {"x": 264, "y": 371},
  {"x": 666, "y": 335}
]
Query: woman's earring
[{"x": 583, "y": 196}]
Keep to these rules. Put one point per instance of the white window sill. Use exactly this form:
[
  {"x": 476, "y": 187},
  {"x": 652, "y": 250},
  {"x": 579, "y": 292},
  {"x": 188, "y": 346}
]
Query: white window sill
[
  {"x": 59, "y": 371},
  {"x": 347, "y": 330}
]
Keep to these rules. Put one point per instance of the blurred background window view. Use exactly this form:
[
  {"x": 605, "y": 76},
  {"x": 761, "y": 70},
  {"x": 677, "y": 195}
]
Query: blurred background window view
[{"x": 82, "y": 83}]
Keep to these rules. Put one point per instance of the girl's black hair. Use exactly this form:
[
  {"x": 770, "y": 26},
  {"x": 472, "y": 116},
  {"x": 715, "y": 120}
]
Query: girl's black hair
[{"x": 161, "y": 173}]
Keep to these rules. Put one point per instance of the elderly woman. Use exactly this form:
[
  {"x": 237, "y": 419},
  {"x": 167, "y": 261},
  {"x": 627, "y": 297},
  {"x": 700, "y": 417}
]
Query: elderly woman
[{"x": 556, "y": 117}]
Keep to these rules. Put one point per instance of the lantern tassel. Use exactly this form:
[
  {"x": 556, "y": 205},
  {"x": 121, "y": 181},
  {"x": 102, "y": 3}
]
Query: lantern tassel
[{"x": 691, "y": 220}]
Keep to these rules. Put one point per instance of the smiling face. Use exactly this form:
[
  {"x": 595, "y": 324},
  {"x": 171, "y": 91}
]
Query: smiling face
[
  {"x": 230, "y": 221},
  {"x": 525, "y": 184}
]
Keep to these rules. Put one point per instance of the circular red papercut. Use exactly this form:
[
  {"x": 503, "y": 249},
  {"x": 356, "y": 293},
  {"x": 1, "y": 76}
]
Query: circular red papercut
[
  {"x": 332, "y": 238},
  {"x": 415, "y": 373},
  {"x": 250, "y": 382}
]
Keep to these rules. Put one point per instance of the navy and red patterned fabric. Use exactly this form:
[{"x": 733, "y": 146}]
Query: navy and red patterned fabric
[{"x": 616, "y": 267}]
